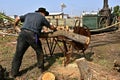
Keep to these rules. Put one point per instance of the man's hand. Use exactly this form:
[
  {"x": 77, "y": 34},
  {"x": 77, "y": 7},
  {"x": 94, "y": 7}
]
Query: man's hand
[
  {"x": 53, "y": 28},
  {"x": 17, "y": 29}
]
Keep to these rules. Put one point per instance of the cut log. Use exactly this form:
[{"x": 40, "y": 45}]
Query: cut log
[
  {"x": 85, "y": 71},
  {"x": 47, "y": 76},
  {"x": 70, "y": 35}
]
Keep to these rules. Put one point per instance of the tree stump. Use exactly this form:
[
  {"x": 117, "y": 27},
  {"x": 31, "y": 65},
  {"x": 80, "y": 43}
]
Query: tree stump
[{"x": 85, "y": 71}]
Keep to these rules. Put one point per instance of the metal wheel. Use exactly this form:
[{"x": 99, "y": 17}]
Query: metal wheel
[{"x": 104, "y": 22}]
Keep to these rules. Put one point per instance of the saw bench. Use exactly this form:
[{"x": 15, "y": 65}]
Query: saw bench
[{"x": 79, "y": 40}]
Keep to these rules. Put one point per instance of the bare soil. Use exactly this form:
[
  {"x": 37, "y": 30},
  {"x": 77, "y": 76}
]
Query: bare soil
[{"x": 103, "y": 50}]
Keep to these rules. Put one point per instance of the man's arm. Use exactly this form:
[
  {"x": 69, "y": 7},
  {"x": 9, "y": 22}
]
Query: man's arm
[
  {"x": 48, "y": 25},
  {"x": 17, "y": 19}
]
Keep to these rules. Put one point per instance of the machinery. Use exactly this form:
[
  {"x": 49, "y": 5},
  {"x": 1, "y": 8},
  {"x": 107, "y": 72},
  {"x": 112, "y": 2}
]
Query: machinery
[{"x": 103, "y": 21}]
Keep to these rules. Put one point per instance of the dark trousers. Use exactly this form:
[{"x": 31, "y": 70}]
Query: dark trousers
[{"x": 25, "y": 39}]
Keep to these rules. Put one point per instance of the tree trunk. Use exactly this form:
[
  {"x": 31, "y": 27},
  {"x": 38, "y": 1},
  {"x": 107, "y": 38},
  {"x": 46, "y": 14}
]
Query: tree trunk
[
  {"x": 70, "y": 35},
  {"x": 85, "y": 71}
]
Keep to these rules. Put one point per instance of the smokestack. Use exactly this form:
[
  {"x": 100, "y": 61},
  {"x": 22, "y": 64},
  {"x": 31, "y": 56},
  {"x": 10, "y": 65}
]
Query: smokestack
[
  {"x": 105, "y": 4},
  {"x": 106, "y": 12}
]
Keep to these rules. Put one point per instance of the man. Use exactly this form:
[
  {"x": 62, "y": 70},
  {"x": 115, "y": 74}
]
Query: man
[{"x": 29, "y": 36}]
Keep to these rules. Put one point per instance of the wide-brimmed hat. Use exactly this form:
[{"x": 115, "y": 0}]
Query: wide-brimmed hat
[{"x": 43, "y": 10}]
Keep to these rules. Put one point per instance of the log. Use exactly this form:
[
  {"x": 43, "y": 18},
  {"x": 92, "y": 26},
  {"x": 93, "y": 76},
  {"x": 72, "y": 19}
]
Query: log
[
  {"x": 85, "y": 71},
  {"x": 70, "y": 35},
  {"x": 47, "y": 76}
]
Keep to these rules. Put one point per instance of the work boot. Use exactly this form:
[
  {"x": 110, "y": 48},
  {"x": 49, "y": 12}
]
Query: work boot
[
  {"x": 40, "y": 65},
  {"x": 12, "y": 76},
  {"x": 40, "y": 61}
]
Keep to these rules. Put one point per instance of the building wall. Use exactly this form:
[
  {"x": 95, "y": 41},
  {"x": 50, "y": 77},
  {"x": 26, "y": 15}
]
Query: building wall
[{"x": 60, "y": 16}]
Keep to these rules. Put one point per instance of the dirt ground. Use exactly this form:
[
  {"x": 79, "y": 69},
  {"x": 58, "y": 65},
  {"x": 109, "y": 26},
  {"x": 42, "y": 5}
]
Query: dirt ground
[{"x": 100, "y": 55}]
